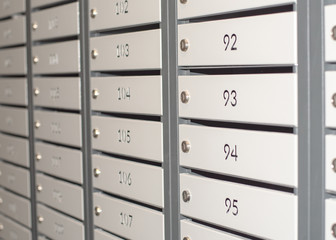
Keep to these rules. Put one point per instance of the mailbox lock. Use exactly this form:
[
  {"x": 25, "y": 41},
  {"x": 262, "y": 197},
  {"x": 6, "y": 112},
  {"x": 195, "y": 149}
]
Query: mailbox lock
[
  {"x": 98, "y": 211},
  {"x": 94, "y": 13},
  {"x": 38, "y": 157},
  {"x": 185, "y": 146},
  {"x": 1, "y": 227},
  {"x": 40, "y": 219},
  {"x": 186, "y": 238},
  {"x": 184, "y": 2},
  {"x": 96, "y": 172},
  {"x": 185, "y": 97},
  {"x": 95, "y": 93},
  {"x": 333, "y": 100},
  {"x": 184, "y": 45},
  {"x": 96, "y": 132},
  {"x": 94, "y": 54},
  {"x": 186, "y": 196},
  {"x": 39, "y": 188},
  {"x": 35, "y": 26},
  {"x": 333, "y": 165},
  {"x": 37, "y": 124},
  {"x": 333, "y": 33},
  {"x": 333, "y": 230},
  {"x": 36, "y": 91},
  {"x": 35, "y": 60}
]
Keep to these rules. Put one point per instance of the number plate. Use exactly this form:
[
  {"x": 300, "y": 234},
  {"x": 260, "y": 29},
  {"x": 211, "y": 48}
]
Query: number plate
[
  {"x": 9, "y": 7},
  {"x": 330, "y": 219},
  {"x": 56, "y": 58},
  {"x": 57, "y": 93},
  {"x": 238, "y": 152},
  {"x": 129, "y": 179},
  {"x": 236, "y": 206},
  {"x": 122, "y": 13},
  {"x": 18, "y": 208},
  {"x": 139, "y": 95},
  {"x": 13, "y": 31},
  {"x": 127, "y": 219},
  {"x": 271, "y": 97},
  {"x": 58, "y": 226},
  {"x": 266, "y": 39},
  {"x": 198, "y": 8},
  {"x": 13, "y": 61},
  {"x": 14, "y": 91},
  {"x": 14, "y": 120},
  {"x": 56, "y": 22},
  {"x": 330, "y": 99},
  {"x": 14, "y": 150},
  {"x": 330, "y": 163},
  {"x": 127, "y": 51},
  {"x": 59, "y": 161},
  {"x": 330, "y": 33},
  {"x": 60, "y": 195},
  {"x": 58, "y": 127},
  {"x": 135, "y": 138},
  {"x": 102, "y": 235},
  {"x": 14, "y": 178},
  {"x": 199, "y": 232},
  {"x": 12, "y": 230}
]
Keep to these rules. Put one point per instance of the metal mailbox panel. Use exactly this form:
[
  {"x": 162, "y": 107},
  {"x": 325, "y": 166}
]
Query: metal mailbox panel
[
  {"x": 106, "y": 14},
  {"x": 127, "y": 51},
  {"x": 60, "y": 195},
  {"x": 59, "y": 161},
  {"x": 198, "y": 8},
  {"x": 14, "y": 120},
  {"x": 14, "y": 150},
  {"x": 13, "y": 61},
  {"x": 16, "y": 207},
  {"x": 39, "y": 3},
  {"x": 330, "y": 99},
  {"x": 129, "y": 179},
  {"x": 229, "y": 42},
  {"x": 233, "y": 97},
  {"x": 62, "y": 21},
  {"x": 102, "y": 235},
  {"x": 56, "y": 58},
  {"x": 235, "y": 206},
  {"x": 238, "y": 152},
  {"x": 330, "y": 33},
  {"x": 197, "y": 231},
  {"x": 9, "y": 7},
  {"x": 330, "y": 164},
  {"x": 135, "y": 138},
  {"x": 16, "y": 179},
  {"x": 14, "y": 91},
  {"x": 139, "y": 95},
  {"x": 58, "y": 226},
  {"x": 58, "y": 127},
  {"x": 127, "y": 219},
  {"x": 330, "y": 219},
  {"x": 57, "y": 93},
  {"x": 13, "y": 231},
  {"x": 13, "y": 31}
]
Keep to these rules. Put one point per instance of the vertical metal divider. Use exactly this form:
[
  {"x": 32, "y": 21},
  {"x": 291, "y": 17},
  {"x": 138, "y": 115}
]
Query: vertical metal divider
[
  {"x": 311, "y": 122},
  {"x": 170, "y": 119},
  {"x": 84, "y": 37},
  {"x": 31, "y": 137}
]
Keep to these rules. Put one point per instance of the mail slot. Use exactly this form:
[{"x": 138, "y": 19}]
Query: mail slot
[
  {"x": 127, "y": 219},
  {"x": 13, "y": 31},
  {"x": 127, "y": 51},
  {"x": 239, "y": 41},
  {"x": 13, "y": 91},
  {"x": 128, "y": 179},
  {"x": 55, "y": 22},
  {"x": 235, "y": 206},
  {"x": 135, "y": 138},
  {"x": 107, "y": 14}
]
